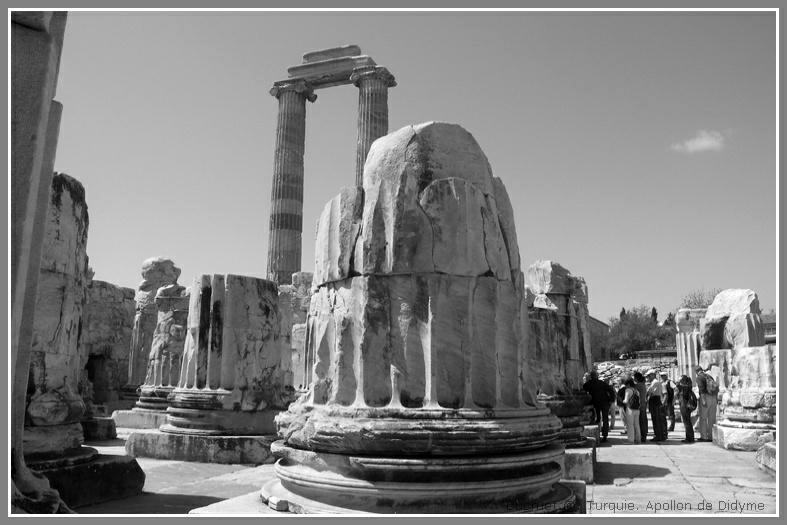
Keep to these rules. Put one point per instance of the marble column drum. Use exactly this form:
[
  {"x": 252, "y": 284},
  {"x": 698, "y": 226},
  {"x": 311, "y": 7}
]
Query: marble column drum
[
  {"x": 687, "y": 340},
  {"x": 417, "y": 401},
  {"x": 286, "y": 220},
  {"x": 373, "y": 83}
]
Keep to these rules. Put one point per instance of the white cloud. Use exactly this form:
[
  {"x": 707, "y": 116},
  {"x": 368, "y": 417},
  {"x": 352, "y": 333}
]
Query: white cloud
[{"x": 704, "y": 140}]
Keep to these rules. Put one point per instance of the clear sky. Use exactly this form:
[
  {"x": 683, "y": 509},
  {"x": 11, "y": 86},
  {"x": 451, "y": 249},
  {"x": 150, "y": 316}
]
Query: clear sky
[{"x": 639, "y": 150}]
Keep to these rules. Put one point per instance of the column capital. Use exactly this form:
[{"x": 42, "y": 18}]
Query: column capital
[
  {"x": 372, "y": 72},
  {"x": 297, "y": 85}
]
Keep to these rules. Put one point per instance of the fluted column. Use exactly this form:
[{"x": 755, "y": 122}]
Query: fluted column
[
  {"x": 373, "y": 83},
  {"x": 286, "y": 222}
]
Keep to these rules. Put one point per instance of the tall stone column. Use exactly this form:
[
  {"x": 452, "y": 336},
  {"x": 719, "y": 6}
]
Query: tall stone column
[
  {"x": 373, "y": 83},
  {"x": 36, "y": 43},
  {"x": 286, "y": 222}
]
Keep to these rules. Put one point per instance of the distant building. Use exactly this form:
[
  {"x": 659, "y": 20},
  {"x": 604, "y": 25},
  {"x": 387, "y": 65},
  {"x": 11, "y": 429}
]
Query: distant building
[{"x": 599, "y": 340}]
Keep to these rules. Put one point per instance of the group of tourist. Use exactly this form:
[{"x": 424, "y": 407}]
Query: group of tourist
[{"x": 636, "y": 395}]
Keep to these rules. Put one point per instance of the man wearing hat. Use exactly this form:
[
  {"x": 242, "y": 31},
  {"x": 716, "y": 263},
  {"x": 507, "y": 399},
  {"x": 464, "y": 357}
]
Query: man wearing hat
[{"x": 656, "y": 399}]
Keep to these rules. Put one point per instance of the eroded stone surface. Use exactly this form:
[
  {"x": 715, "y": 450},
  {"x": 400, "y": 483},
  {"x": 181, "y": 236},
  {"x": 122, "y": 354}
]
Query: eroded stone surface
[
  {"x": 418, "y": 354},
  {"x": 156, "y": 272},
  {"x": 107, "y": 321},
  {"x": 56, "y": 365}
]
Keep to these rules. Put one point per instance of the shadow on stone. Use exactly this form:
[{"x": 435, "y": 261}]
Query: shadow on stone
[
  {"x": 606, "y": 473},
  {"x": 150, "y": 503}
]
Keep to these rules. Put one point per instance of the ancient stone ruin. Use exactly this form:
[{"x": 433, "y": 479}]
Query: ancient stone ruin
[
  {"x": 418, "y": 400},
  {"x": 146, "y": 389},
  {"x": 56, "y": 409},
  {"x": 235, "y": 375},
  {"x": 559, "y": 355},
  {"x": 107, "y": 321},
  {"x": 688, "y": 341},
  {"x": 320, "y": 69},
  {"x": 735, "y": 353}
]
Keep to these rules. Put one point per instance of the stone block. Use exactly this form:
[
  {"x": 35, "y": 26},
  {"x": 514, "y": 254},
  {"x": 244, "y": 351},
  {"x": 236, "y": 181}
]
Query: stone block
[
  {"x": 253, "y": 450},
  {"x": 743, "y": 436},
  {"x": 579, "y": 463},
  {"x": 591, "y": 431},
  {"x": 548, "y": 277},
  {"x": 102, "y": 479},
  {"x": 733, "y": 301},
  {"x": 712, "y": 334},
  {"x": 99, "y": 429},
  {"x": 337, "y": 231},
  {"x": 744, "y": 330},
  {"x": 766, "y": 458},
  {"x": 139, "y": 418}
]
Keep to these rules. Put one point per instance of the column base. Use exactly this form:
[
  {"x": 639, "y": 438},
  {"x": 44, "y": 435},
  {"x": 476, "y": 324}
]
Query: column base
[
  {"x": 55, "y": 439},
  {"x": 318, "y": 482},
  {"x": 84, "y": 477},
  {"x": 738, "y": 435},
  {"x": 154, "y": 398},
  {"x": 254, "y": 450}
]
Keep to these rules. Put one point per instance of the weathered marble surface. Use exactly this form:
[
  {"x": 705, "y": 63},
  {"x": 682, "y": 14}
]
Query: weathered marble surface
[
  {"x": 156, "y": 272},
  {"x": 237, "y": 356},
  {"x": 56, "y": 365},
  {"x": 687, "y": 339},
  {"x": 105, "y": 341},
  {"x": 172, "y": 303},
  {"x": 733, "y": 321},
  {"x": 418, "y": 347}
]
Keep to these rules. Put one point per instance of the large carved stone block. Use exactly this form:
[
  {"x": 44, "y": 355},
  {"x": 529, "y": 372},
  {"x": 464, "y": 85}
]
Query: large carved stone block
[{"x": 419, "y": 399}]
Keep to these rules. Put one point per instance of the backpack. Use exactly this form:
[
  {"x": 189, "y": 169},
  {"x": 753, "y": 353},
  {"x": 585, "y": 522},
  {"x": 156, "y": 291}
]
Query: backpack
[
  {"x": 691, "y": 402},
  {"x": 711, "y": 385},
  {"x": 634, "y": 403}
]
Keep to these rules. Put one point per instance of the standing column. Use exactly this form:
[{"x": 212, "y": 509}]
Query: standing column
[
  {"x": 286, "y": 224},
  {"x": 373, "y": 83}
]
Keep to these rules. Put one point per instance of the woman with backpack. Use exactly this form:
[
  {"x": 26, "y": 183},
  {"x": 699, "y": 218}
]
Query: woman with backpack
[
  {"x": 632, "y": 407},
  {"x": 688, "y": 404}
]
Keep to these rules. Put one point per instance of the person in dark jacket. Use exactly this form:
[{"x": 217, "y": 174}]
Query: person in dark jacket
[
  {"x": 599, "y": 396},
  {"x": 685, "y": 395},
  {"x": 642, "y": 389},
  {"x": 670, "y": 406}
]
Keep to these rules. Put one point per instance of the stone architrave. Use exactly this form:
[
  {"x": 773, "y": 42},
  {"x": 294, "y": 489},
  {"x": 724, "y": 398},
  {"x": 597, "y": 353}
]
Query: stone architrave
[
  {"x": 36, "y": 41},
  {"x": 172, "y": 302},
  {"x": 559, "y": 343},
  {"x": 687, "y": 340},
  {"x": 156, "y": 272},
  {"x": 417, "y": 401},
  {"x": 235, "y": 375}
]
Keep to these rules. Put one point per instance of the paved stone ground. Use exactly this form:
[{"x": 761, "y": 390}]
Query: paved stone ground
[
  {"x": 676, "y": 478},
  {"x": 671, "y": 477}
]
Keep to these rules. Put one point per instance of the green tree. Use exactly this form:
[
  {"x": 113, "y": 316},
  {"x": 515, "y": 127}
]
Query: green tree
[{"x": 637, "y": 331}]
